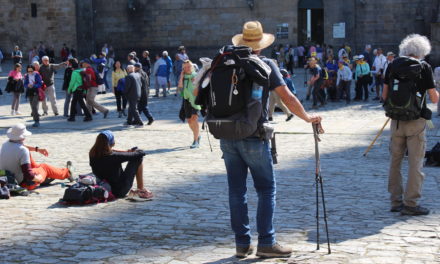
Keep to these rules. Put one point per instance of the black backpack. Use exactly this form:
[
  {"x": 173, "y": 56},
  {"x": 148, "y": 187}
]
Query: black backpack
[
  {"x": 232, "y": 98},
  {"x": 433, "y": 156},
  {"x": 404, "y": 102},
  {"x": 85, "y": 194}
]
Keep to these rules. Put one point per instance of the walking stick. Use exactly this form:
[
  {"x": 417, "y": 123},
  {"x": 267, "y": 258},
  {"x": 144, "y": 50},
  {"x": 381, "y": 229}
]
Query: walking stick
[
  {"x": 273, "y": 149},
  {"x": 377, "y": 136},
  {"x": 317, "y": 129}
]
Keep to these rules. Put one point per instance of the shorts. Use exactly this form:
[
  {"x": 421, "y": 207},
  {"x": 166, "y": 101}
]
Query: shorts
[
  {"x": 161, "y": 81},
  {"x": 189, "y": 110}
]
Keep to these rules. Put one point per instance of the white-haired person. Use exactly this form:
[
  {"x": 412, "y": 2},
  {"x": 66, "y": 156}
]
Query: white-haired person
[
  {"x": 160, "y": 72},
  {"x": 15, "y": 157},
  {"x": 409, "y": 135},
  {"x": 169, "y": 62},
  {"x": 47, "y": 71}
]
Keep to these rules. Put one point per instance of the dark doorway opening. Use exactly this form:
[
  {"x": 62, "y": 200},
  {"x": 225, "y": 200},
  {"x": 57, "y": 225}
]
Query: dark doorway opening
[{"x": 310, "y": 21}]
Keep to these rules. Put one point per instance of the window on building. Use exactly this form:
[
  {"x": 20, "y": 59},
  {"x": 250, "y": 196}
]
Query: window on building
[{"x": 33, "y": 10}]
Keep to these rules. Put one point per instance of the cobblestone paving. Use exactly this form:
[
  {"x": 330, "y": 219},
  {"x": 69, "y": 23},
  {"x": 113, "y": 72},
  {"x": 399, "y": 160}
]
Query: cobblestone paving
[{"x": 188, "y": 221}]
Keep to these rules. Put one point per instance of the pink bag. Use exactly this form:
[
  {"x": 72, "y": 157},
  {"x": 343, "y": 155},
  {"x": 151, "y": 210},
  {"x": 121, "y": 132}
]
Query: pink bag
[{"x": 41, "y": 94}]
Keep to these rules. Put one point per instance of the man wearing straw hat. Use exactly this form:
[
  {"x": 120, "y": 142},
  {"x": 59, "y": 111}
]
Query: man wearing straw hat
[{"x": 252, "y": 153}]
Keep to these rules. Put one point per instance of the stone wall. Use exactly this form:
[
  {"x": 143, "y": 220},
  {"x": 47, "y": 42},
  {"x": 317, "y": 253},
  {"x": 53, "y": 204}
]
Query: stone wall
[
  {"x": 435, "y": 41},
  {"x": 381, "y": 23},
  {"x": 55, "y": 24},
  {"x": 201, "y": 25}
]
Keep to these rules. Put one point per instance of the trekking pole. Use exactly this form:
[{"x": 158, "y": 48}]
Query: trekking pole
[
  {"x": 317, "y": 129},
  {"x": 377, "y": 136},
  {"x": 305, "y": 77},
  {"x": 273, "y": 149}
]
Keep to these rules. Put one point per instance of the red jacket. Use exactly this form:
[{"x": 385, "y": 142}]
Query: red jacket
[{"x": 91, "y": 73}]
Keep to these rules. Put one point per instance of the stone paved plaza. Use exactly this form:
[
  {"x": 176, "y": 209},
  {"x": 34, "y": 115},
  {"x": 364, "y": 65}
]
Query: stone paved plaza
[{"x": 188, "y": 220}]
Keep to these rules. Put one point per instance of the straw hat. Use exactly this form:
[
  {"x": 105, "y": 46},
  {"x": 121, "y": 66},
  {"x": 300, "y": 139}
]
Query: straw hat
[
  {"x": 253, "y": 36},
  {"x": 18, "y": 132}
]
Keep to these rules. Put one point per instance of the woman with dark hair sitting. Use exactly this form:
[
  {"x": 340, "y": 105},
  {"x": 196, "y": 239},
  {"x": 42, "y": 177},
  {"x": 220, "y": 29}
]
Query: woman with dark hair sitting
[{"x": 106, "y": 164}]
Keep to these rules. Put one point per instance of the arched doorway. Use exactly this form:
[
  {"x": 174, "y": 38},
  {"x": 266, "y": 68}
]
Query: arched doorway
[{"x": 310, "y": 21}]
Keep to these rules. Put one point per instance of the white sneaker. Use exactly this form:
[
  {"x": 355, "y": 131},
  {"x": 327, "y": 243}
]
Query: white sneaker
[
  {"x": 12, "y": 112},
  {"x": 17, "y": 113}
]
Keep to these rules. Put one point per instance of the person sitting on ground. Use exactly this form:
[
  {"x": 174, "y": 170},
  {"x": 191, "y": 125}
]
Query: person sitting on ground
[
  {"x": 15, "y": 158},
  {"x": 106, "y": 164}
]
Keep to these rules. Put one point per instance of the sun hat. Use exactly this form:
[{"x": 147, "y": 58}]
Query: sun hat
[
  {"x": 355, "y": 58},
  {"x": 390, "y": 53},
  {"x": 253, "y": 36},
  {"x": 361, "y": 57},
  {"x": 18, "y": 132}
]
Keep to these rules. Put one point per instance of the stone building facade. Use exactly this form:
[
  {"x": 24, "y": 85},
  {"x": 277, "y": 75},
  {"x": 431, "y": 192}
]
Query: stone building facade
[
  {"x": 204, "y": 25},
  {"x": 53, "y": 22}
]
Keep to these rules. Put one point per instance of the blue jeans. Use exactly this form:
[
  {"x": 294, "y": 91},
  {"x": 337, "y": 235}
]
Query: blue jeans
[
  {"x": 107, "y": 86},
  {"x": 239, "y": 156}
]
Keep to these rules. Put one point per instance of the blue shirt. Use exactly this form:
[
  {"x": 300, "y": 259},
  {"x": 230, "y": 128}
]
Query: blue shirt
[{"x": 290, "y": 85}]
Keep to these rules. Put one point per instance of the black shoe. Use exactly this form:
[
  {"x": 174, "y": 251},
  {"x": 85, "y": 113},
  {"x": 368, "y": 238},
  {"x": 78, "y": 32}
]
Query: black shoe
[
  {"x": 45, "y": 114},
  {"x": 396, "y": 208},
  {"x": 56, "y": 114},
  {"x": 87, "y": 119},
  {"x": 366, "y": 100},
  {"x": 416, "y": 210},
  {"x": 376, "y": 98},
  {"x": 270, "y": 118},
  {"x": 150, "y": 121},
  {"x": 71, "y": 119},
  {"x": 289, "y": 118},
  {"x": 47, "y": 182},
  {"x": 156, "y": 95},
  {"x": 106, "y": 113}
]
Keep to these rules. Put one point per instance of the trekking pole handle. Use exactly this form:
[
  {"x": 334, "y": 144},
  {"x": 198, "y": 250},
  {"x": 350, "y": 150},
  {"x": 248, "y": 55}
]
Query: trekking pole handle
[{"x": 317, "y": 129}]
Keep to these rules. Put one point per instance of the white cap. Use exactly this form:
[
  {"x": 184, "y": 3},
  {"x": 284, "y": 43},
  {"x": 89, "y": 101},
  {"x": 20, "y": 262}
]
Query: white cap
[{"x": 165, "y": 53}]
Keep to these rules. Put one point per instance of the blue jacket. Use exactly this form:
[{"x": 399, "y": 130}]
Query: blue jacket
[
  {"x": 169, "y": 64},
  {"x": 38, "y": 81},
  {"x": 161, "y": 68},
  {"x": 98, "y": 61}
]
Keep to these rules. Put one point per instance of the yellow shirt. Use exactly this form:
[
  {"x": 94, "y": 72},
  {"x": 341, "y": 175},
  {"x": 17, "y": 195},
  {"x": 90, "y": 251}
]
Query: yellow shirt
[{"x": 117, "y": 75}]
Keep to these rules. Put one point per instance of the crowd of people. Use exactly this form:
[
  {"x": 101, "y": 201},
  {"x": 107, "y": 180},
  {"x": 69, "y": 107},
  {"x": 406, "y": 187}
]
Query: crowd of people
[
  {"x": 332, "y": 71},
  {"x": 331, "y": 74}
]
